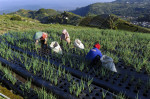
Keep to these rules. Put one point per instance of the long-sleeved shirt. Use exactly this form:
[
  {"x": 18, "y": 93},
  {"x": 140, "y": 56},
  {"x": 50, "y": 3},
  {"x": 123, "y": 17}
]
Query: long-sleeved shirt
[{"x": 93, "y": 53}]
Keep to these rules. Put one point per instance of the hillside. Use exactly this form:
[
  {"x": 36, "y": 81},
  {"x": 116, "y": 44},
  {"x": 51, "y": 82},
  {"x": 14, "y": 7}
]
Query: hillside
[
  {"x": 64, "y": 18},
  {"x": 39, "y": 15},
  {"x": 120, "y": 9},
  {"x": 133, "y": 1},
  {"x": 50, "y": 16},
  {"x": 16, "y": 22},
  {"x": 145, "y": 18},
  {"x": 6, "y": 24},
  {"x": 106, "y": 21}
]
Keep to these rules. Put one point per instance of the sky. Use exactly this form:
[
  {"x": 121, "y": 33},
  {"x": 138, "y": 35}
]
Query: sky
[{"x": 48, "y": 4}]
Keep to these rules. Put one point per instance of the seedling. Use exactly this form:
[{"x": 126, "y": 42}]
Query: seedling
[
  {"x": 137, "y": 96},
  {"x": 71, "y": 89},
  {"x": 69, "y": 77},
  {"x": 89, "y": 81},
  {"x": 63, "y": 60},
  {"x": 8, "y": 74},
  {"x": 59, "y": 71},
  {"x": 79, "y": 89},
  {"x": 121, "y": 96},
  {"x": 90, "y": 89},
  {"x": 43, "y": 94},
  {"x": 56, "y": 79},
  {"x": 81, "y": 66},
  {"x": 104, "y": 94},
  {"x": 71, "y": 63},
  {"x": 28, "y": 85},
  {"x": 82, "y": 83}
]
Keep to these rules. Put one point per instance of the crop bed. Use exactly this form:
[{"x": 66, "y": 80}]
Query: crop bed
[
  {"x": 124, "y": 83},
  {"x": 18, "y": 87},
  {"x": 69, "y": 74},
  {"x": 61, "y": 86}
]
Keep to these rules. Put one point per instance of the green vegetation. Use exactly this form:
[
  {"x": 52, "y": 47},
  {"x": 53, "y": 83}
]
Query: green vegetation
[
  {"x": 49, "y": 16},
  {"x": 120, "y": 9},
  {"x": 6, "y": 24},
  {"x": 2, "y": 97},
  {"x": 132, "y": 48},
  {"x": 133, "y": 1},
  {"x": 145, "y": 18},
  {"x": 49, "y": 71},
  {"x": 101, "y": 21},
  {"x": 43, "y": 94},
  {"x": 8, "y": 93},
  {"x": 16, "y": 18},
  {"x": 39, "y": 15},
  {"x": 111, "y": 22},
  {"x": 121, "y": 96},
  {"x": 8, "y": 74},
  {"x": 64, "y": 18},
  {"x": 11, "y": 77}
]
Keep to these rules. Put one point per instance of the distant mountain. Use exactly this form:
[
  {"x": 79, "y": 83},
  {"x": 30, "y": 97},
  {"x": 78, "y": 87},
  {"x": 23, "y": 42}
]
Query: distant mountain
[
  {"x": 133, "y": 1},
  {"x": 106, "y": 21},
  {"x": 120, "y": 9},
  {"x": 16, "y": 8}
]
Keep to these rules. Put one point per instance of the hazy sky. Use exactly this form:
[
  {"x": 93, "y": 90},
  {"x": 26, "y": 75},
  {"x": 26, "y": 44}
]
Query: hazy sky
[{"x": 53, "y": 4}]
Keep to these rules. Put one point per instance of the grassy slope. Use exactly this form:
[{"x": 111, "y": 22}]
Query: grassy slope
[
  {"x": 36, "y": 14},
  {"x": 103, "y": 21},
  {"x": 43, "y": 15},
  {"x": 133, "y": 48},
  {"x": 6, "y": 24}
]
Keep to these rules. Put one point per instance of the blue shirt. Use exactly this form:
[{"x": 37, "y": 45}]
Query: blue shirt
[{"x": 93, "y": 53}]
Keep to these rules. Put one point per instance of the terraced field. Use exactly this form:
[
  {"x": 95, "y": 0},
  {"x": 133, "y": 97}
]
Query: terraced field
[{"x": 36, "y": 73}]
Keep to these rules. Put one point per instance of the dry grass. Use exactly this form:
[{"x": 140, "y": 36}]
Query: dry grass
[{"x": 9, "y": 93}]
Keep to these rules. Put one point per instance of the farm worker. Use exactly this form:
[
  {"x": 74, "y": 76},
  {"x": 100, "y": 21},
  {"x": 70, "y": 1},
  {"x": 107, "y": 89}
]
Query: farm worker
[
  {"x": 65, "y": 36},
  {"x": 43, "y": 38},
  {"x": 94, "y": 54}
]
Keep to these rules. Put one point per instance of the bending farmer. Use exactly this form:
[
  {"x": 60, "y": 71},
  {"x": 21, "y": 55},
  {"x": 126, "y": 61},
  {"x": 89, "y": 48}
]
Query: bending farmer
[
  {"x": 43, "y": 38},
  {"x": 94, "y": 54},
  {"x": 65, "y": 36}
]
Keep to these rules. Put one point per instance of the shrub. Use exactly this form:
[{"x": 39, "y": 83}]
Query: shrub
[{"x": 16, "y": 18}]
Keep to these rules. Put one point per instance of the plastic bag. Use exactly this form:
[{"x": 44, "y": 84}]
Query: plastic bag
[
  {"x": 108, "y": 63},
  {"x": 56, "y": 47},
  {"x": 78, "y": 44}
]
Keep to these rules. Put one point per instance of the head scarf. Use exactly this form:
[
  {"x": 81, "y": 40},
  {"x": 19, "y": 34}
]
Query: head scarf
[
  {"x": 97, "y": 46},
  {"x": 65, "y": 34},
  {"x": 44, "y": 35},
  {"x": 64, "y": 31}
]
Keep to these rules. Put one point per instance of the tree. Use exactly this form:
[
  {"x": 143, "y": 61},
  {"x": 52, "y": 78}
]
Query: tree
[{"x": 112, "y": 20}]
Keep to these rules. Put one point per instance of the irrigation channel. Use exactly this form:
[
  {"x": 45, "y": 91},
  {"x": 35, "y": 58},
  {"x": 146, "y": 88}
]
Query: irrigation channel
[{"x": 76, "y": 82}]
